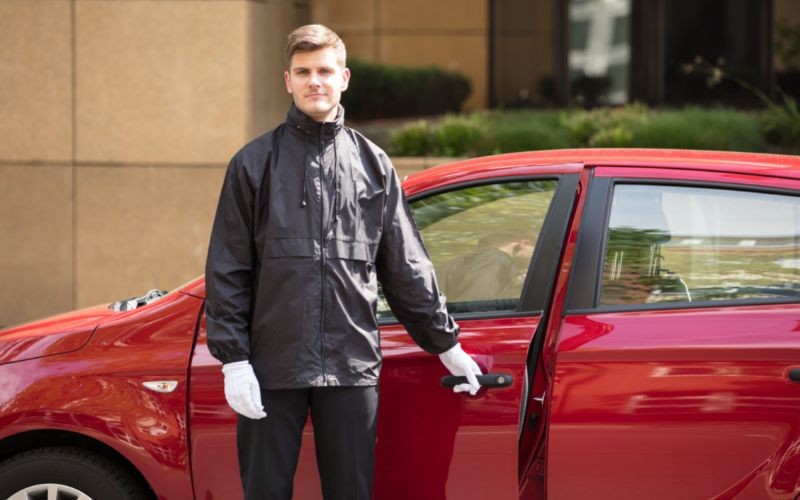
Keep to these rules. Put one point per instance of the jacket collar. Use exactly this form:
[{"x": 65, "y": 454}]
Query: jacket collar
[{"x": 298, "y": 120}]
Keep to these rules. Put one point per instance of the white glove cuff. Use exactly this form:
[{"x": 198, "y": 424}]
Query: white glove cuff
[
  {"x": 451, "y": 354},
  {"x": 233, "y": 367}
]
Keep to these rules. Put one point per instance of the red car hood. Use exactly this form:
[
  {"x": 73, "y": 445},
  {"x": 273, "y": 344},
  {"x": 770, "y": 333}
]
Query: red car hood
[{"x": 52, "y": 335}]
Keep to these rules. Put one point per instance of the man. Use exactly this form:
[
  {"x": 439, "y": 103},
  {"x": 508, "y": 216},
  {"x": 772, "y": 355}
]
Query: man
[
  {"x": 494, "y": 270},
  {"x": 309, "y": 216}
]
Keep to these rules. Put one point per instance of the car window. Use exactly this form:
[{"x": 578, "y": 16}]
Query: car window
[
  {"x": 481, "y": 240},
  {"x": 687, "y": 244}
]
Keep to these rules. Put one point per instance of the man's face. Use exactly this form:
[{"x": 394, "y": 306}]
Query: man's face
[
  {"x": 316, "y": 81},
  {"x": 522, "y": 252}
]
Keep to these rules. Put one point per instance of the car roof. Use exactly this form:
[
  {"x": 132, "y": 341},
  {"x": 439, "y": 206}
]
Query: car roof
[{"x": 513, "y": 163}]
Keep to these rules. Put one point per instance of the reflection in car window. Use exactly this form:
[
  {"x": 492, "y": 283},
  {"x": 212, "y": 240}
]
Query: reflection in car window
[
  {"x": 684, "y": 244},
  {"x": 481, "y": 240}
]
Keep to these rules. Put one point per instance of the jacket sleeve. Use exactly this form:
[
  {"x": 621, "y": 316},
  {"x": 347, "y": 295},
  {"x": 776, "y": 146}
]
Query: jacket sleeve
[
  {"x": 229, "y": 269},
  {"x": 407, "y": 275}
]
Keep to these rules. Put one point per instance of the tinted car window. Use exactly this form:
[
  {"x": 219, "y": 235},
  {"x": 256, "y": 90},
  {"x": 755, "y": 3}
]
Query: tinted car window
[
  {"x": 481, "y": 240},
  {"x": 684, "y": 244}
]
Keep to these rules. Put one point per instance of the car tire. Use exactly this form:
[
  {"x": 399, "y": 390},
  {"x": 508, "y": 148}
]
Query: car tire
[{"x": 70, "y": 473}]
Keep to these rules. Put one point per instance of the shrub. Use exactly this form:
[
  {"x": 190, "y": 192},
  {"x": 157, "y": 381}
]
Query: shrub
[
  {"x": 413, "y": 139},
  {"x": 696, "y": 128},
  {"x": 780, "y": 121},
  {"x": 512, "y": 131},
  {"x": 618, "y": 136},
  {"x": 629, "y": 126},
  {"x": 782, "y": 127},
  {"x": 458, "y": 136},
  {"x": 605, "y": 127},
  {"x": 378, "y": 91},
  {"x": 454, "y": 136}
]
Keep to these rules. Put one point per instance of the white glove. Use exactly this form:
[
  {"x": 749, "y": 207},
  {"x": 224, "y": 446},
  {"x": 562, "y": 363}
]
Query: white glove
[
  {"x": 461, "y": 364},
  {"x": 242, "y": 390}
]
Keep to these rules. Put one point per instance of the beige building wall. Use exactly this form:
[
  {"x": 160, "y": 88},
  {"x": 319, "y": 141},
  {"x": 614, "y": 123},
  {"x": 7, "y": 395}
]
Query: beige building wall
[
  {"x": 117, "y": 119},
  {"x": 450, "y": 34}
]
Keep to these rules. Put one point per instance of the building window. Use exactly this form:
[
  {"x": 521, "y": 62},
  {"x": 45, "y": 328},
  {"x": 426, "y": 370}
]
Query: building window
[{"x": 599, "y": 51}]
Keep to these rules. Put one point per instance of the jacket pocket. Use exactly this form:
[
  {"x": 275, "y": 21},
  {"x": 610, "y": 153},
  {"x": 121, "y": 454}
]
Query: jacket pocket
[{"x": 350, "y": 250}]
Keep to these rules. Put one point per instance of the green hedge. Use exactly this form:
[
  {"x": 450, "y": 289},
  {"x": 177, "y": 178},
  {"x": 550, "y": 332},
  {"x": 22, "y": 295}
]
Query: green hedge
[
  {"x": 690, "y": 128},
  {"x": 696, "y": 128},
  {"x": 453, "y": 136},
  {"x": 509, "y": 132},
  {"x": 628, "y": 126},
  {"x": 781, "y": 126},
  {"x": 378, "y": 91}
]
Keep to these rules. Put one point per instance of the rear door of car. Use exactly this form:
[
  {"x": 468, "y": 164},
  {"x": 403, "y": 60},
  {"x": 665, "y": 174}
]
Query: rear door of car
[
  {"x": 495, "y": 237},
  {"x": 680, "y": 345}
]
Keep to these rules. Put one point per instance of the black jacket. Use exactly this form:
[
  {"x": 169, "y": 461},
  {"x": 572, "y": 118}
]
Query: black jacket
[{"x": 310, "y": 213}]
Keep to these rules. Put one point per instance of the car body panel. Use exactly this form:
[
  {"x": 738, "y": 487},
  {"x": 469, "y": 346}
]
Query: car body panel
[
  {"x": 97, "y": 391},
  {"x": 212, "y": 427},
  {"x": 679, "y": 403},
  {"x": 195, "y": 288},
  {"x": 49, "y": 336},
  {"x": 473, "y": 452}
]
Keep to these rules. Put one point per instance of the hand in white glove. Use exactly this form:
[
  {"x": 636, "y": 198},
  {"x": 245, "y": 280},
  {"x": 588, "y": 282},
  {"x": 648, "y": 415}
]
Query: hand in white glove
[
  {"x": 461, "y": 364},
  {"x": 242, "y": 390}
]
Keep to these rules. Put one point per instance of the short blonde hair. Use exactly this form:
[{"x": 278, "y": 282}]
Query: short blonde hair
[{"x": 314, "y": 37}]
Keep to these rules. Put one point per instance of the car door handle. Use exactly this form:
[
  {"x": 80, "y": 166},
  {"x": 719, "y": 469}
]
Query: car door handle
[
  {"x": 488, "y": 380},
  {"x": 794, "y": 374}
]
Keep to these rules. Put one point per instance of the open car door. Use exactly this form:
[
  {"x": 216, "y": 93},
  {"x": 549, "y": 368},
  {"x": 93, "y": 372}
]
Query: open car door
[{"x": 496, "y": 243}]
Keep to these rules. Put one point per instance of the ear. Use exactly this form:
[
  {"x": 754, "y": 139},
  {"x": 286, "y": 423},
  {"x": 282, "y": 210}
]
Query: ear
[
  {"x": 345, "y": 78},
  {"x": 286, "y": 80}
]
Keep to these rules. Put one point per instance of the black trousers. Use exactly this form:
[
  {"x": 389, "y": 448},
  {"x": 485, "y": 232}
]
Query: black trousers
[{"x": 345, "y": 422}]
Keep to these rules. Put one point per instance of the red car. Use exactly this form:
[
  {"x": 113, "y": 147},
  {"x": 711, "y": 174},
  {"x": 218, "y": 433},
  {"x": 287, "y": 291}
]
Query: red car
[{"x": 639, "y": 312}]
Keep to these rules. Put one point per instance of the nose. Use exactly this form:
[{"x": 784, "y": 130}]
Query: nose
[{"x": 313, "y": 79}]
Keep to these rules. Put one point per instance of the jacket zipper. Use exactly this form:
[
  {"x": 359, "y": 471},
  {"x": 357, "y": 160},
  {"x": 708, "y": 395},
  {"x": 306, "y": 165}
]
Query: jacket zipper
[{"x": 322, "y": 250}]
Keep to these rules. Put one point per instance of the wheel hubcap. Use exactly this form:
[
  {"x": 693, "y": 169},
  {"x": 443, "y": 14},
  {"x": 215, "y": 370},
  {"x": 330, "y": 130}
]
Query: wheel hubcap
[{"x": 49, "y": 491}]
